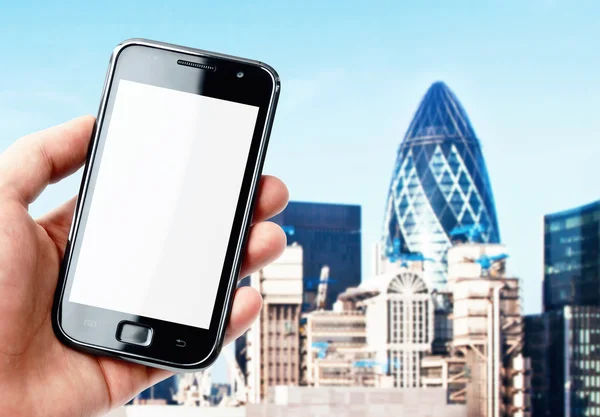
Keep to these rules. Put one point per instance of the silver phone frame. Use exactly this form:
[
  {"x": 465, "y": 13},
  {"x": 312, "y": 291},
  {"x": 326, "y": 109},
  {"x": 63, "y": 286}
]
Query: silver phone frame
[{"x": 247, "y": 217}]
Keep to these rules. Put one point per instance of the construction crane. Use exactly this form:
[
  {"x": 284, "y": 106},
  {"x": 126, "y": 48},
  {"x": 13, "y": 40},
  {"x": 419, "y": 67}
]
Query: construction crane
[
  {"x": 310, "y": 283},
  {"x": 382, "y": 366},
  {"x": 367, "y": 363},
  {"x": 289, "y": 230},
  {"x": 490, "y": 264},
  {"x": 322, "y": 289},
  {"x": 487, "y": 262},
  {"x": 321, "y": 348},
  {"x": 395, "y": 251},
  {"x": 472, "y": 233},
  {"x": 396, "y": 255},
  {"x": 321, "y": 284}
]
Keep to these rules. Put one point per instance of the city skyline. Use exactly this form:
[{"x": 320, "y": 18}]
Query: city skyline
[
  {"x": 352, "y": 78},
  {"x": 525, "y": 77}
]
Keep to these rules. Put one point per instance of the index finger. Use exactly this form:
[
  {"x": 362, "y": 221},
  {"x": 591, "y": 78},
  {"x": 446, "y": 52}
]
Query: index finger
[{"x": 45, "y": 157}]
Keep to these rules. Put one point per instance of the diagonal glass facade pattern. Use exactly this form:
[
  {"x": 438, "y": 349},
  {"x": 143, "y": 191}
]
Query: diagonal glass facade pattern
[{"x": 439, "y": 183}]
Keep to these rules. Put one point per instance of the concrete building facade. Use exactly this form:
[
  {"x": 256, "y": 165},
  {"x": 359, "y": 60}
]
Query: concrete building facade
[
  {"x": 399, "y": 323},
  {"x": 272, "y": 351},
  {"x": 335, "y": 346},
  {"x": 488, "y": 331},
  {"x": 447, "y": 372},
  {"x": 355, "y": 402}
]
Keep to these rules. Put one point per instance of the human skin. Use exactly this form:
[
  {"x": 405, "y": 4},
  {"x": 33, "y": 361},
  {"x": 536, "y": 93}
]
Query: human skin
[{"x": 39, "y": 376}]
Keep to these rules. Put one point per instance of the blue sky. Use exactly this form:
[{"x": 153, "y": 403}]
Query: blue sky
[{"x": 353, "y": 73}]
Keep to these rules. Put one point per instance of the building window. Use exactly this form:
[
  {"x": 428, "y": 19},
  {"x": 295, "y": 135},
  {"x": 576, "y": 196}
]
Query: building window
[{"x": 572, "y": 222}]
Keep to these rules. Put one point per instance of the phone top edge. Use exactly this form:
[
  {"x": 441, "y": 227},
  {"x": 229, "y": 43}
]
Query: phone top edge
[{"x": 199, "y": 52}]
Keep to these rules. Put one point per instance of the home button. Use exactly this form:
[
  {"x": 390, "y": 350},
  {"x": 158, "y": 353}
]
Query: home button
[{"x": 134, "y": 333}]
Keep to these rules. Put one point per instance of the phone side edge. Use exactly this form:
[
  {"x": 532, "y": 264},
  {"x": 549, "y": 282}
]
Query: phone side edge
[
  {"x": 219, "y": 340},
  {"x": 61, "y": 284}
]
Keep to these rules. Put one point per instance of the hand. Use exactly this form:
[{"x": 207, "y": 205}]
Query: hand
[{"x": 38, "y": 375}]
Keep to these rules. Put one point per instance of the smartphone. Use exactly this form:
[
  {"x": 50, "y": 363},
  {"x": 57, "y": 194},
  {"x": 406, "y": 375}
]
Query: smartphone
[{"x": 165, "y": 205}]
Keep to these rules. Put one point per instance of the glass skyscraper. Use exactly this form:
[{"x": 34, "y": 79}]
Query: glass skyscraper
[
  {"x": 564, "y": 348},
  {"x": 330, "y": 234},
  {"x": 563, "y": 343},
  {"x": 440, "y": 185},
  {"x": 572, "y": 257}
]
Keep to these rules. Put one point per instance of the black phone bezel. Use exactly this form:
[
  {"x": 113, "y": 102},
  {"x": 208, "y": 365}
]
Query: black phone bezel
[{"x": 92, "y": 329}]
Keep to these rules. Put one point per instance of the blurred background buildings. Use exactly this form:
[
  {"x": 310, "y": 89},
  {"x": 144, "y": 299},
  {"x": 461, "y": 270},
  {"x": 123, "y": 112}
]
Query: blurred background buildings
[
  {"x": 563, "y": 342},
  {"x": 437, "y": 326},
  {"x": 329, "y": 235}
]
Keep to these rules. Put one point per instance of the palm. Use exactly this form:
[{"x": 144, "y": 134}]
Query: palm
[
  {"x": 37, "y": 373},
  {"x": 43, "y": 366}
]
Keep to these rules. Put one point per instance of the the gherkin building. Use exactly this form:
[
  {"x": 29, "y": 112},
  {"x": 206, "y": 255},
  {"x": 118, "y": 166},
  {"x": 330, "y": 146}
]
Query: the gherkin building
[{"x": 440, "y": 186}]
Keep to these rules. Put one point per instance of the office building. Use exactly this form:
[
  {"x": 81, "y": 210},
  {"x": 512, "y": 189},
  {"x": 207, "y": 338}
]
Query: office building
[
  {"x": 355, "y": 402},
  {"x": 563, "y": 342},
  {"x": 399, "y": 322},
  {"x": 330, "y": 234},
  {"x": 336, "y": 351},
  {"x": 572, "y": 257},
  {"x": 487, "y": 332},
  {"x": 447, "y": 372},
  {"x": 564, "y": 347},
  {"x": 375, "y": 336},
  {"x": 440, "y": 190},
  {"x": 272, "y": 343}
]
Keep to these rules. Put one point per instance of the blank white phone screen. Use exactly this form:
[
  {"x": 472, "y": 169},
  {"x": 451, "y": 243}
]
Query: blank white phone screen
[{"x": 163, "y": 204}]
